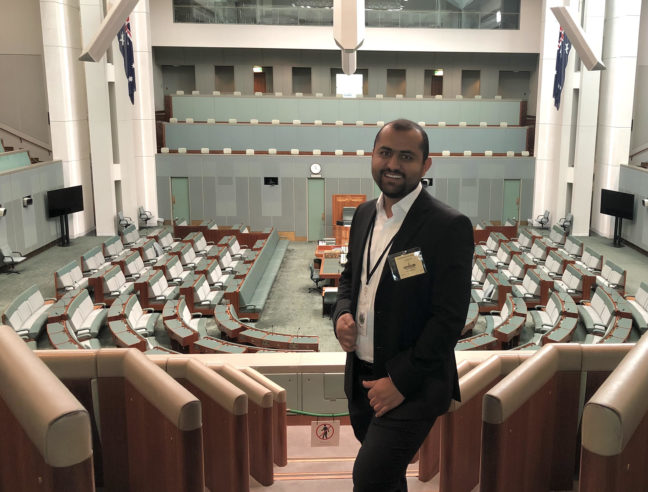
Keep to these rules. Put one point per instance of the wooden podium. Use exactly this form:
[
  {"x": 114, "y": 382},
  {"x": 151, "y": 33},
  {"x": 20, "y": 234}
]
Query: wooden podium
[{"x": 340, "y": 232}]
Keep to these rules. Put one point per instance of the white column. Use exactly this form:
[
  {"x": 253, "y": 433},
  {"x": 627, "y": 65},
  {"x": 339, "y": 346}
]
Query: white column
[
  {"x": 144, "y": 143},
  {"x": 639, "y": 139},
  {"x": 548, "y": 133},
  {"x": 96, "y": 76},
  {"x": 583, "y": 170},
  {"x": 66, "y": 93},
  {"x": 615, "y": 109}
]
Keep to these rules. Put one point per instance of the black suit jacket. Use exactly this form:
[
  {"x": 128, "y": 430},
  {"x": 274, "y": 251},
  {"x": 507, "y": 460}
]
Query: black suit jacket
[{"x": 417, "y": 320}]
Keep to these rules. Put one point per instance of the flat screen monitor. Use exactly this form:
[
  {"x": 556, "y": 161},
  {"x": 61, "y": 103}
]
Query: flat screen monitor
[
  {"x": 65, "y": 201},
  {"x": 617, "y": 204}
]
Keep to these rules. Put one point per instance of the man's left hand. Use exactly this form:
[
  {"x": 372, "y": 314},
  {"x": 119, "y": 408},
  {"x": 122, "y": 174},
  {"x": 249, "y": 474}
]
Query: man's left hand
[{"x": 383, "y": 395}]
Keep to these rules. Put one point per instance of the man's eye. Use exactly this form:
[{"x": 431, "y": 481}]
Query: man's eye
[
  {"x": 385, "y": 153},
  {"x": 406, "y": 157}
]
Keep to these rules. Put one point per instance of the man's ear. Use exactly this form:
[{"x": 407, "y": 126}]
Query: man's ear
[{"x": 427, "y": 164}]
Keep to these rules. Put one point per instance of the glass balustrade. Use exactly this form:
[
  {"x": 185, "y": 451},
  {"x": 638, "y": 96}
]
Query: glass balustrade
[{"x": 214, "y": 12}]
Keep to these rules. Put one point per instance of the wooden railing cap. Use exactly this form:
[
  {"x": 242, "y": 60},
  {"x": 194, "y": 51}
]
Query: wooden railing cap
[
  {"x": 278, "y": 393},
  {"x": 256, "y": 392},
  {"x": 512, "y": 392},
  {"x": 604, "y": 357},
  {"x": 154, "y": 384},
  {"x": 215, "y": 386},
  {"x": 612, "y": 415},
  {"x": 55, "y": 421},
  {"x": 70, "y": 364}
]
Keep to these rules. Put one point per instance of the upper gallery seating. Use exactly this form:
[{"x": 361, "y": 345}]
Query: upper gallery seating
[
  {"x": 639, "y": 307},
  {"x": 130, "y": 237},
  {"x": 199, "y": 297},
  {"x": 27, "y": 313},
  {"x": 557, "y": 236},
  {"x": 133, "y": 266},
  {"x": 183, "y": 326},
  {"x": 154, "y": 291},
  {"x": 573, "y": 247},
  {"x": 525, "y": 238},
  {"x": 69, "y": 277},
  {"x": 113, "y": 248},
  {"x": 534, "y": 288},
  {"x": 110, "y": 284},
  {"x": 171, "y": 267},
  {"x": 612, "y": 276},
  {"x": 200, "y": 245},
  {"x": 591, "y": 260},
  {"x": 93, "y": 260},
  {"x": 150, "y": 251},
  {"x": 165, "y": 239},
  {"x": 505, "y": 325},
  {"x": 576, "y": 281},
  {"x": 491, "y": 245}
]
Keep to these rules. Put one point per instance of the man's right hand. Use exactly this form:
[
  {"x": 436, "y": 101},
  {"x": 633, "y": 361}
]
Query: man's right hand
[{"x": 346, "y": 331}]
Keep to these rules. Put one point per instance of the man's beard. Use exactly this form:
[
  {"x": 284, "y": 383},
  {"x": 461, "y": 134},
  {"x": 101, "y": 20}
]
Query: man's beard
[{"x": 395, "y": 193}]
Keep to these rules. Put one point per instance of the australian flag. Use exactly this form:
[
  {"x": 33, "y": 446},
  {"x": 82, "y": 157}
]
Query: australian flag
[
  {"x": 564, "y": 47},
  {"x": 126, "y": 48}
]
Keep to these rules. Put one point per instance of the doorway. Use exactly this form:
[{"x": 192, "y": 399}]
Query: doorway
[
  {"x": 315, "y": 209},
  {"x": 511, "y": 200},
  {"x": 180, "y": 198},
  {"x": 470, "y": 83}
]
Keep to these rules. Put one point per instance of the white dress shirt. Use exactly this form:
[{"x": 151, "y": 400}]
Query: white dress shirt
[{"x": 385, "y": 228}]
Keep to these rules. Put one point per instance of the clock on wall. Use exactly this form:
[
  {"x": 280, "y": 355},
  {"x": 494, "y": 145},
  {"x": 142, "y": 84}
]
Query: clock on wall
[{"x": 316, "y": 170}]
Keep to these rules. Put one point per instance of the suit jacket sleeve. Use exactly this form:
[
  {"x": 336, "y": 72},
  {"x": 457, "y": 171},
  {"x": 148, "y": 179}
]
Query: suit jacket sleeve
[
  {"x": 345, "y": 285},
  {"x": 449, "y": 297}
]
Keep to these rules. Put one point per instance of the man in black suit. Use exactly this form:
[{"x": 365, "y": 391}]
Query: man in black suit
[{"x": 402, "y": 302}]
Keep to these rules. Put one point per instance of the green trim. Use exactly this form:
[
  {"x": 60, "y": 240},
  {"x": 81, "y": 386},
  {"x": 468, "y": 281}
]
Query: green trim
[{"x": 312, "y": 414}]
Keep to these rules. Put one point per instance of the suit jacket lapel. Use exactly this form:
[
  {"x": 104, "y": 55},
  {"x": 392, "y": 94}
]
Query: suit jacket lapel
[{"x": 411, "y": 224}]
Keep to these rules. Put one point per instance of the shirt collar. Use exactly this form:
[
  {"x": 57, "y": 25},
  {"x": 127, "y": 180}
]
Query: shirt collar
[{"x": 402, "y": 206}]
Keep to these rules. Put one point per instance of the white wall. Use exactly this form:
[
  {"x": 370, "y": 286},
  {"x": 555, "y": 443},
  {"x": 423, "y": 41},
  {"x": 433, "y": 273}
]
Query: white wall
[
  {"x": 23, "y": 94},
  {"x": 524, "y": 40},
  {"x": 321, "y": 62}
]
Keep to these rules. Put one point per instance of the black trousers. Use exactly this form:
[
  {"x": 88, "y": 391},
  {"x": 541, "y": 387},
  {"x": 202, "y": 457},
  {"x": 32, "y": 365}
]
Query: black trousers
[{"x": 388, "y": 445}]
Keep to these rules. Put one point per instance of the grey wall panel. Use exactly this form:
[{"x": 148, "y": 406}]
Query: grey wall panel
[
  {"x": 331, "y": 187},
  {"x": 240, "y": 197},
  {"x": 454, "y": 190},
  {"x": 497, "y": 200},
  {"x": 350, "y": 186},
  {"x": 164, "y": 196},
  {"x": 226, "y": 197},
  {"x": 209, "y": 196},
  {"x": 286, "y": 220},
  {"x": 242, "y": 212},
  {"x": 271, "y": 199},
  {"x": 257, "y": 218},
  {"x": 635, "y": 180},
  {"x": 468, "y": 201},
  {"x": 483, "y": 201},
  {"x": 440, "y": 189},
  {"x": 301, "y": 207},
  {"x": 526, "y": 199},
  {"x": 196, "y": 201}
]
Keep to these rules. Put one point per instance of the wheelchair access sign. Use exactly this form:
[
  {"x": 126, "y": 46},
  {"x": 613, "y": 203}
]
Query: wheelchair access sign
[{"x": 325, "y": 433}]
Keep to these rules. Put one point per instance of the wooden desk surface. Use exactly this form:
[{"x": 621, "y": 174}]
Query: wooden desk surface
[{"x": 331, "y": 268}]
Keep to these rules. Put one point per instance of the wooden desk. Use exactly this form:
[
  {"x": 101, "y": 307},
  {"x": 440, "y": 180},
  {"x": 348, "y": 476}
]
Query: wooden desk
[
  {"x": 331, "y": 269},
  {"x": 322, "y": 249}
]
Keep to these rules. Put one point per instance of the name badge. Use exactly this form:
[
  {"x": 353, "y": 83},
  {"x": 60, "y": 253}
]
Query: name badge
[{"x": 406, "y": 264}]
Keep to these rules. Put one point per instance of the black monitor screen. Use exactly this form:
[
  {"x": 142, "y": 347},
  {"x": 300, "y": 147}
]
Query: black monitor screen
[
  {"x": 65, "y": 201},
  {"x": 617, "y": 204}
]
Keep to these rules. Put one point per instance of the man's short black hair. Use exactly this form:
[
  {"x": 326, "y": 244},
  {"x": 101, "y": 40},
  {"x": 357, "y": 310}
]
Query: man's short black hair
[{"x": 403, "y": 125}]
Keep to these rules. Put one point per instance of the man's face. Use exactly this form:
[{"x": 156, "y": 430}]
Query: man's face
[{"x": 397, "y": 163}]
